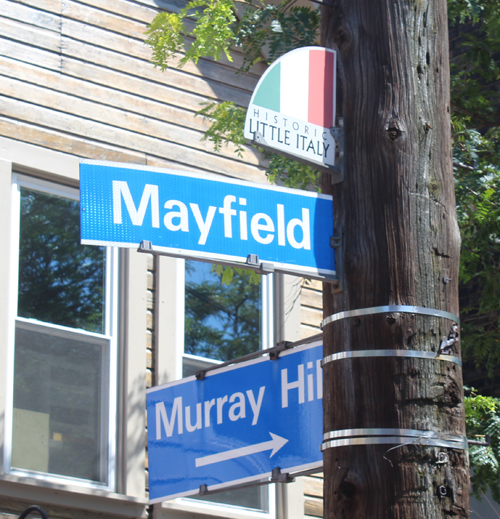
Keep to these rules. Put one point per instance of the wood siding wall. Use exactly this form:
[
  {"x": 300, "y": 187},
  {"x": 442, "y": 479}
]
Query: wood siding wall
[
  {"x": 313, "y": 496},
  {"x": 75, "y": 77},
  {"x": 311, "y": 315}
]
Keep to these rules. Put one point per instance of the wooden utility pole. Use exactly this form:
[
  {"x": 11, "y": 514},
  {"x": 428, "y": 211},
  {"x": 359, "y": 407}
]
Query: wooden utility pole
[{"x": 400, "y": 244}]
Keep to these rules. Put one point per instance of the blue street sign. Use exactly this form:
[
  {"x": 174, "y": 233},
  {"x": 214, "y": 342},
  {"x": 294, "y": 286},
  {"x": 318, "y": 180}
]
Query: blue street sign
[
  {"x": 205, "y": 217},
  {"x": 237, "y": 424}
]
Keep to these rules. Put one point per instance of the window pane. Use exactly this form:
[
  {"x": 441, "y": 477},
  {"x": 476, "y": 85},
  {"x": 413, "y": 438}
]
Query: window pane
[
  {"x": 252, "y": 497},
  {"x": 191, "y": 365},
  {"x": 222, "y": 320},
  {"x": 60, "y": 422},
  {"x": 60, "y": 402},
  {"x": 60, "y": 281}
]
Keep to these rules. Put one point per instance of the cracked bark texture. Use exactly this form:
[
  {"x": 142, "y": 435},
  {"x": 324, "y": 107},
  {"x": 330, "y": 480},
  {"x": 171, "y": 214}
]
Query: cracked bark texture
[{"x": 395, "y": 212}]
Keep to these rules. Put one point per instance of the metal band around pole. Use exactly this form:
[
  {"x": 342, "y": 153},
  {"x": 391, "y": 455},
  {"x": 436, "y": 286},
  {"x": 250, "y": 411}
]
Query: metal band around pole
[
  {"x": 349, "y": 433},
  {"x": 389, "y": 309},
  {"x": 393, "y": 440},
  {"x": 391, "y": 353},
  {"x": 348, "y": 437}
]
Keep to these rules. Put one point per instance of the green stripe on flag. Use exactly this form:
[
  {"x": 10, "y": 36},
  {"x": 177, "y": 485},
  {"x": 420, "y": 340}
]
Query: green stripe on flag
[{"x": 268, "y": 94}]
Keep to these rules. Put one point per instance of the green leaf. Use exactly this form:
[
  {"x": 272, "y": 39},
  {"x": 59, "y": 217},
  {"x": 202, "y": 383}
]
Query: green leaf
[
  {"x": 280, "y": 28},
  {"x": 227, "y": 276},
  {"x": 212, "y": 34},
  {"x": 228, "y": 121},
  {"x": 165, "y": 37}
]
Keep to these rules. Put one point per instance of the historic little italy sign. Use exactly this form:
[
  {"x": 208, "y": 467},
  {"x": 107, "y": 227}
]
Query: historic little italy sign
[
  {"x": 207, "y": 217},
  {"x": 293, "y": 106}
]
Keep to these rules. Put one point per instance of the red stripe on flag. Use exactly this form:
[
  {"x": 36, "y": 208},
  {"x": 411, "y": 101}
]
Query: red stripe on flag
[{"x": 321, "y": 66}]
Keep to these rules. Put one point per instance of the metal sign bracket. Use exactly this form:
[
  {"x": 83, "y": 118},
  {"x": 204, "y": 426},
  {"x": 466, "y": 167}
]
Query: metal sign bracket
[
  {"x": 281, "y": 477},
  {"x": 252, "y": 263},
  {"x": 261, "y": 268},
  {"x": 273, "y": 353},
  {"x": 276, "y": 477},
  {"x": 338, "y": 170}
]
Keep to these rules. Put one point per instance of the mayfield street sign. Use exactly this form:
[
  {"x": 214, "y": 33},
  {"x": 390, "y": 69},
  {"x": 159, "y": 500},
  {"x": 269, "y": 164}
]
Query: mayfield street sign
[
  {"x": 293, "y": 106},
  {"x": 207, "y": 218}
]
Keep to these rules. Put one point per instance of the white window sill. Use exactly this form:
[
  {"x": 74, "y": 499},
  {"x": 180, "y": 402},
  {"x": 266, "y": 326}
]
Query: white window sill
[
  {"x": 180, "y": 508},
  {"x": 68, "y": 496}
]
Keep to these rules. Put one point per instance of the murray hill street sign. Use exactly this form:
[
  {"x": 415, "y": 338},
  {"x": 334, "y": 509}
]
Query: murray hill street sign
[{"x": 237, "y": 424}]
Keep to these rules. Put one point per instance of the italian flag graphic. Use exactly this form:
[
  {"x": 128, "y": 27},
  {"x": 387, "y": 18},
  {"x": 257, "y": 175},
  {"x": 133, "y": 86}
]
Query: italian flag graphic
[{"x": 300, "y": 85}]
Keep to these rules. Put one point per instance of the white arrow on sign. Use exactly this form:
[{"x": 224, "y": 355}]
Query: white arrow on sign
[{"x": 275, "y": 444}]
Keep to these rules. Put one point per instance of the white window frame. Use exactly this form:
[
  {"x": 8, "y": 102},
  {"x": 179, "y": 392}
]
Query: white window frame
[
  {"x": 266, "y": 319},
  {"x": 110, "y": 334},
  {"x": 169, "y": 347}
]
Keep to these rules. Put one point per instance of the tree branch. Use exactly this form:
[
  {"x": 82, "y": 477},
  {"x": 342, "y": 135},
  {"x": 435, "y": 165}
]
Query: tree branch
[{"x": 490, "y": 123}]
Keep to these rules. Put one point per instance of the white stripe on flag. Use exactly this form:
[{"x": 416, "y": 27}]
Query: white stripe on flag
[{"x": 295, "y": 85}]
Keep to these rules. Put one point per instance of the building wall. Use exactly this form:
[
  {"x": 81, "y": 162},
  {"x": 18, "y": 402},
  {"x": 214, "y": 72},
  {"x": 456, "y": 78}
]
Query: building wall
[
  {"x": 76, "y": 82},
  {"x": 311, "y": 315},
  {"x": 76, "y": 77},
  {"x": 313, "y": 492}
]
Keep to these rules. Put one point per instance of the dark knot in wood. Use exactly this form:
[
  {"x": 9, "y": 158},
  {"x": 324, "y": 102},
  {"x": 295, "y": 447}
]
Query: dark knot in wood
[
  {"x": 395, "y": 128},
  {"x": 393, "y": 133},
  {"x": 347, "y": 489}
]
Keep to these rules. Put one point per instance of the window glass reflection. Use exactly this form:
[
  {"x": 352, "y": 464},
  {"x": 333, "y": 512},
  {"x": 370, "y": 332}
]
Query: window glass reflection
[
  {"x": 60, "y": 281},
  {"x": 222, "y": 319}
]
